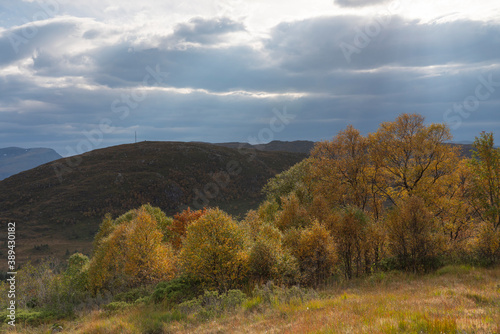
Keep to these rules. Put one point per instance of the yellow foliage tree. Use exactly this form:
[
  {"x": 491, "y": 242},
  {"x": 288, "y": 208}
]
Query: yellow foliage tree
[
  {"x": 350, "y": 230},
  {"x": 413, "y": 236},
  {"x": 315, "y": 250},
  {"x": 215, "y": 250},
  {"x": 132, "y": 254},
  {"x": 341, "y": 169},
  {"x": 412, "y": 157}
]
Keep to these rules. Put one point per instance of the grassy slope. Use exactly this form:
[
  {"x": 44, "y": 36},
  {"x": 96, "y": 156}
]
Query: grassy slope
[
  {"x": 66, "y": 214},
  {"x": 453, "y": 300}
]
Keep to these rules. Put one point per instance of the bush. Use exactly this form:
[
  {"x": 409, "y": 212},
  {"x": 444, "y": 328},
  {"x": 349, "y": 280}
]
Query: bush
[
  {"x": 274, "y": 295},
  {"x": 133, "y": 295},
  {"x": 116, "y": 306},
  {"x": 177, "y": 290},
  {"x": 212, "y": 304}
]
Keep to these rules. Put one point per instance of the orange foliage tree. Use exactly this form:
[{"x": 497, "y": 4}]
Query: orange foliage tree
[{"x": 180, "y": 223}]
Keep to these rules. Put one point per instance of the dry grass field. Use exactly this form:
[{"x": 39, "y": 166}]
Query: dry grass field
[{"x": 455, "y": 299}]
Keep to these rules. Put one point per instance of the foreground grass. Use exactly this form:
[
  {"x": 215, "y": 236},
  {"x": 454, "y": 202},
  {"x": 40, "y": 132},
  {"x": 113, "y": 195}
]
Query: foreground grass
[{"x": 455, "y": 299}]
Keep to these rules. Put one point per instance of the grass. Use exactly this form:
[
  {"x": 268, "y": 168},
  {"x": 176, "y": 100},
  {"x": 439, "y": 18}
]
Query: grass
[{"x": 453, "y": 300}]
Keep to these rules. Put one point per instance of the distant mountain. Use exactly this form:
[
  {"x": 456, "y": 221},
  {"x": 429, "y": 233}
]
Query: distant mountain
[
  {"x": 14, "y": 160},
  {"x": 298, "y": 146},
  {"x": 61, "y": 204}
]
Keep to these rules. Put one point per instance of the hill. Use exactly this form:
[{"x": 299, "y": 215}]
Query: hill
[
  {"x": 58, "y": 206},
  {"x": 298, "y": 146},
  {"x": 305, "y": 146},
  {"x": 14, "y": 160}
]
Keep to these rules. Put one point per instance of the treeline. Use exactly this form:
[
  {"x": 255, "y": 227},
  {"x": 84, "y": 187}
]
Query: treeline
[{"x": 396, "y": 199}]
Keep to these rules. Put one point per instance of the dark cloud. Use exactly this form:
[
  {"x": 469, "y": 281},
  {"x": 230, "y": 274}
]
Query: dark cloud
[
  {"x": 350, "y": 42},
  {"x": 399, "y": 66},
  {"x": 205, "y": 31}
]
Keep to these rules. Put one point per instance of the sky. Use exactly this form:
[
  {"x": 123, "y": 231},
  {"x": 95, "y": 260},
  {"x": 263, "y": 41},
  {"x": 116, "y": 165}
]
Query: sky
[{"x": 81, "y": 75}]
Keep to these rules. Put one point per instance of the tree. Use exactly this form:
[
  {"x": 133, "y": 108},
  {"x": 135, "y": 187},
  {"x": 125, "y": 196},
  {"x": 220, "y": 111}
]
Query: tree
[
  {"x": 132, "y": 254},
  {"x": 485, "y": 167},
  {"x": 413, "y": 157},
  {"x": 341, "y": 170},
  {"x": 453, "y": 209},
  {"x": 412, "y": 236},
  {"x": 350, "y": 232},
  {"x": 77, "y": 272},
  {"x": 290, "y": 181},
  {"x": 293, "y": 215},
  {"x": 215, "y": 250},
  {"x": 314, "y": 249},
  {"x": 180, "y": 223}
]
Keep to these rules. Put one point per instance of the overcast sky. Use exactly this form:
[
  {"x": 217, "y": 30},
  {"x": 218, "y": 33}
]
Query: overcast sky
[{"x": 80, "y": 75}]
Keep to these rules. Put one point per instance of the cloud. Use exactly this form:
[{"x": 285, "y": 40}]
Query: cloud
[
  {"x": 359, "y": 3},
  {"x": 219, "y": 87},
  {"x": 322, "y": 44},
  {"x": 206, "y": 31}
]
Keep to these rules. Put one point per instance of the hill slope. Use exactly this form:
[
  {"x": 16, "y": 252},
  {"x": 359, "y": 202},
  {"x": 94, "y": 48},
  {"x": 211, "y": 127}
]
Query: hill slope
[
  {"x": 61, "y": 204},
  {"x": 14, "y": 160}
]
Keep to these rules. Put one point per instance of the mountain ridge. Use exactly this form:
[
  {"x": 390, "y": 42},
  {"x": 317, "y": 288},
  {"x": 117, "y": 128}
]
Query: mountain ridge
[{"x": 14, "y": 160}]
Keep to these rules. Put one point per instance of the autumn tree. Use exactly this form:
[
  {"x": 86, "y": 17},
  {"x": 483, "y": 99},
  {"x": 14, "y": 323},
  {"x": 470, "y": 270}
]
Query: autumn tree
[
  {"x": 341, "y": 171},
  {"x": 293, "y": 215},
  {"x": 453, "y": 210},
  {"x": 132, "y": 254},
  {"x": 412, "y": 156},
  {"x": 215, "y": 250},
  {"x": 180, "y": 223},
  {"x": 349, "y": 228},
  {"x": 412, "y": 236},
  {"x": 485, "y": 168},
  {"x": 268, "y": 260},
  {"x": 314, "y": 249}
]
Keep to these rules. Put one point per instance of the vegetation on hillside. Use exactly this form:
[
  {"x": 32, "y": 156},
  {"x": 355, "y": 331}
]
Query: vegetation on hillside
[{"x": 358, "y": 208}]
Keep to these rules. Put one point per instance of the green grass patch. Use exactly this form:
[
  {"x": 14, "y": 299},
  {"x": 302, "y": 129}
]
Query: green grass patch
[{"x": 454, "y": 270}]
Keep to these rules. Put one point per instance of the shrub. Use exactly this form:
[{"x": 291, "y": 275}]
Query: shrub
[
  {"x": 116, "y": 306},
  {"x": 131, "y": 296},
  {"x": 212, "y": 304},
  {"x": 177, "y": 290}
]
